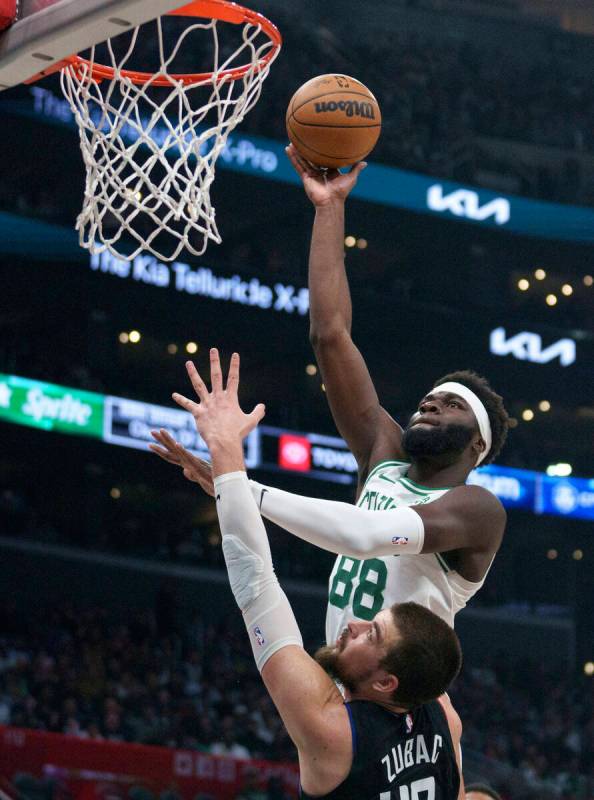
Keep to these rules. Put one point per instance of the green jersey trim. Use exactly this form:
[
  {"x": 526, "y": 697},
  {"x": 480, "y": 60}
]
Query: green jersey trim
[
  {"x": 426, "y": 489},
  {"x": 412, "y": 489},
  {"x": 383, "y": 465}
]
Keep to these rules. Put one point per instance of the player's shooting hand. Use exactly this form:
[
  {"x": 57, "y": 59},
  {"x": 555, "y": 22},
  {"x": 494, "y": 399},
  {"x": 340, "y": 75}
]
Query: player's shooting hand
[
  {"x": 195, "y": 469},
  {"x": 324, "y": 186},
  {"x": 218, "y": 416}
]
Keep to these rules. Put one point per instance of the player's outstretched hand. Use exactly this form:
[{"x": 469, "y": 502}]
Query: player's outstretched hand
[
  {"x": 218, "y": 416},
  {"x": 323, "y": 186},
  {"x": 195, "y": 469}
]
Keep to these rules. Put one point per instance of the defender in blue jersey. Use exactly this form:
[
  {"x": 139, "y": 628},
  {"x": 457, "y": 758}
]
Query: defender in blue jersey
[{"x": 390, "y": 737}]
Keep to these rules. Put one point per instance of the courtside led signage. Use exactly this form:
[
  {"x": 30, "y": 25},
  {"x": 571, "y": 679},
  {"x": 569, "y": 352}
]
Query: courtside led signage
[
  {"x": 130, "y": 422},
  {"x": 294, "y": 453},
  {"x": 118, "y": 420},
  {"x": 50, "y": 407}
]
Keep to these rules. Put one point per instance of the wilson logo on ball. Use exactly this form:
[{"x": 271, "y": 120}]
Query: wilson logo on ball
[{"x": 352, "y": 108}]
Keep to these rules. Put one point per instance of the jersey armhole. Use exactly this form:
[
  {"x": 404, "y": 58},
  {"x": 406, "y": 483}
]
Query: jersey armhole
[{"x": 353, "y": 728}]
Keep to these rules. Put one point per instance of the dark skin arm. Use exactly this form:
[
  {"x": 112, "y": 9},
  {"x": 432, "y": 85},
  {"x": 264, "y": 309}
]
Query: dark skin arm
[
  {"x": 370, "y": 432},
  {"x": 468, "y": 523}
]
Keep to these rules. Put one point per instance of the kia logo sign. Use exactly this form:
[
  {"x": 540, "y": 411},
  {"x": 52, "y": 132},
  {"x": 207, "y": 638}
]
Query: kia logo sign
[
  {"x": 526, "y": 346},
  {"x": 466, "y": 204},
  {"x": 294, "y": 453}
]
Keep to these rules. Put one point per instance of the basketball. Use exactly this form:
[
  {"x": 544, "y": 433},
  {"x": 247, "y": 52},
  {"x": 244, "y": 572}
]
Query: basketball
[{"x": 333, "y": 121}]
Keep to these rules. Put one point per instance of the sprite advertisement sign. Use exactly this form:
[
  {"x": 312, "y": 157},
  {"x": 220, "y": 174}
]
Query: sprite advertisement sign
[
  {"x": 50, "y": 407},
  {"x": 128, "y": 423}
]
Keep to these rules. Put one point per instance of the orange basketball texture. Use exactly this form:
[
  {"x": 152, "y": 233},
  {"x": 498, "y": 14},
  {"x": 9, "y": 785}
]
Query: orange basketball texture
[{"x": 333, "y": 120}]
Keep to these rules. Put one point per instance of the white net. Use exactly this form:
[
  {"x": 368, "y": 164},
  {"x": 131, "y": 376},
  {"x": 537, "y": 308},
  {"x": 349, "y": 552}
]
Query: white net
[{"x": 150, "y": 152}]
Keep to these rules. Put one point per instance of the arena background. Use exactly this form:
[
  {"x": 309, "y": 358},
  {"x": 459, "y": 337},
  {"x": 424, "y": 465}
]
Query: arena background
[{"x": 469, "y": 245}]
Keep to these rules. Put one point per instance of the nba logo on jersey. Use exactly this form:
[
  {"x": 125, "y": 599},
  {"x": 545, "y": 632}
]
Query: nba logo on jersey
[
  {"x": 259, "y": 636},
  {"x": 409, "y": 723},
  {"x": 399, "y": 539}
]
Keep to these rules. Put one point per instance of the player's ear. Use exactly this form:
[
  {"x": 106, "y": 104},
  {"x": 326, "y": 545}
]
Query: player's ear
[
  {"x": 479, "y": 446},
  {"x": 386, "y": 683}
]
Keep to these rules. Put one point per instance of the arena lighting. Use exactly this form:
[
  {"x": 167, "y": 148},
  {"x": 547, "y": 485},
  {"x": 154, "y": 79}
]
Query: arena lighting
[
  {"x": 561, "y": 470},
  {"x": 361, "y": 244},
  {"x": 124, "y": 338},
  {"x": 350, "y": 241},
  {"x": 588, "y": 280},
  {"x": 578, "y": 555},
  {"x": 191, "y": 347},
  {"x": 134, "y": 336},
  {"x": 527, "y": 414},
  {"x": 115, "y": 493},
  {"x": 540, "y": 274},
  {"x": 551, "y": 300},
  {"x": 523, "y": 285},
  {"x": 589, "y": 668},
  {"x": 311, "y": 369},
  {"x": 172, "y": 349},
  {"x": 544, "y": 405},
  {"x": 552, "y": 554},
  {"x": 567, "y": 289}
]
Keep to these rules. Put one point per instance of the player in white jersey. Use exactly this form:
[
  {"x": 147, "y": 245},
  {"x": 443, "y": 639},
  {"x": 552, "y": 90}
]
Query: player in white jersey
[
  {"x": 437, "y": 538},
  {"x": 357, "y": 587},
  {"x": 404, "y": 553}
]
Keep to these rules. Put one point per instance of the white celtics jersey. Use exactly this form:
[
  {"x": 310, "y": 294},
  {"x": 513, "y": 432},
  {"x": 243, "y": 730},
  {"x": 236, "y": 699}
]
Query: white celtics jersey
[{"x": 358, "y": 589}]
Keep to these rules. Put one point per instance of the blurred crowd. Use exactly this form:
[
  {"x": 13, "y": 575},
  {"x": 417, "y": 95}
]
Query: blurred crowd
[
  {"x": 443, "y": 99},
  {"x": 534, "y": 717},
  {"x": 74, "y": 671}
]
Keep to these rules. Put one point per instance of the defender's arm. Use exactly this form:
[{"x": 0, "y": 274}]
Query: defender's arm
[{"x": 307, "y": 699}]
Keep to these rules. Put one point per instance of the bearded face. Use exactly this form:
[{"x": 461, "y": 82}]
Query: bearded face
[
  {"x": 329, "y": 658},
  {"x": 435, "y": 439}
]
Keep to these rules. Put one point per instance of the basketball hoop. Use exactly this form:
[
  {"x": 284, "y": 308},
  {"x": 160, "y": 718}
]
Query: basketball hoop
[{"x": 150, "y": 142}]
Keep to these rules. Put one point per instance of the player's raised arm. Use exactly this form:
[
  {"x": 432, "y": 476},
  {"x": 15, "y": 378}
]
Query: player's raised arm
[
  {"x": 371, "y": 434},
  {"x": 307, "y": 699}
]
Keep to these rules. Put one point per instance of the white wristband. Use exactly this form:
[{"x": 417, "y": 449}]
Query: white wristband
[{"x": 342, "y": 528}]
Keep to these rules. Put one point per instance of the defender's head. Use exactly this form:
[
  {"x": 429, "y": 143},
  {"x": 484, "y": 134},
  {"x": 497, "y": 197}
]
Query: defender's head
[
  {"x": 405, "y": 656},
  {"x": 460, "y": 418}
]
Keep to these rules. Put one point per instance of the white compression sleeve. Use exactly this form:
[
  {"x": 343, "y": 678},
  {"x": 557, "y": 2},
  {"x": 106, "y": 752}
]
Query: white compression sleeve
[
  {"x": 342, "y": 528},
  {"x": 268, "y": 616}
]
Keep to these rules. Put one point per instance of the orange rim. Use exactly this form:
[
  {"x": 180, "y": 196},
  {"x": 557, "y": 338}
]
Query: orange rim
[{"x": 211, "y": 9}]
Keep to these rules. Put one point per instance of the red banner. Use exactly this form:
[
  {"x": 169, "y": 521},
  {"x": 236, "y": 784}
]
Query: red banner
[
  {"x": 92, "y": 770},
  {"x": 7, "y": 13}
]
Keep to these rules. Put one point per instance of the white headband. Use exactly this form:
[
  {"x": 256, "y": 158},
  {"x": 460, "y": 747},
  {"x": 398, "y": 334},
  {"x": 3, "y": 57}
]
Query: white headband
[{"x": 478, "y": 409}]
